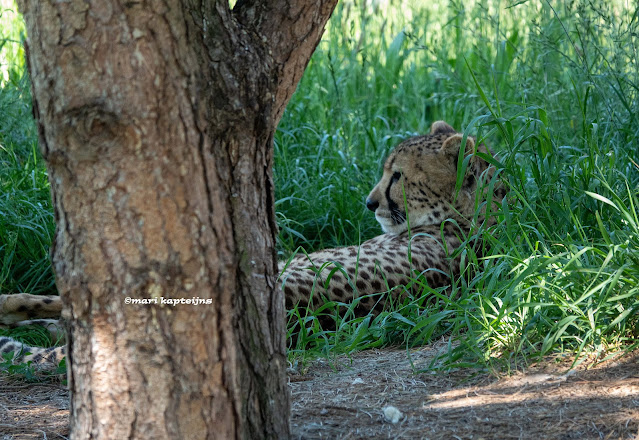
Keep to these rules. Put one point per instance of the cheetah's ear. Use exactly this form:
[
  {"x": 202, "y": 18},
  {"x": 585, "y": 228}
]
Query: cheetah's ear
[
  {"x": 440, "y": 127},
  {"x": 452, "y": 144}
]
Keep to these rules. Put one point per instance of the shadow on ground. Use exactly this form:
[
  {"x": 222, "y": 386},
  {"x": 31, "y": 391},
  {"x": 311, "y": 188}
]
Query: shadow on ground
[
  {"x": 344, "y": 400},
  {"x": 544, "y": 403}
]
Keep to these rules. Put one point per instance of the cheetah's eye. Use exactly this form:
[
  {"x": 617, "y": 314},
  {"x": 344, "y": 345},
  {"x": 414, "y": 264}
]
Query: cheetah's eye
[{"x": 396, "y": 176}]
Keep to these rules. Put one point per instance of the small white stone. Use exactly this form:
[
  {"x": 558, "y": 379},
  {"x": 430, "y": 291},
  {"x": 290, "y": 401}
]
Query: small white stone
[{"x": 392, "y": 414}]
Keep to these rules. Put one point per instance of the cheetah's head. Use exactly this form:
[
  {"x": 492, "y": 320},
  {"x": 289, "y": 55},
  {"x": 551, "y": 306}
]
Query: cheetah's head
[{"x": 419, "y": 181}]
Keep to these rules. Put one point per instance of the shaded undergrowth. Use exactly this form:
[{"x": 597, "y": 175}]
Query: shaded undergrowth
[{"x": 552, "y": 90}]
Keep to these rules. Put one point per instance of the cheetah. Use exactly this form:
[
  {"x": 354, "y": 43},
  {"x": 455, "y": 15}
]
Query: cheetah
[
  {"x": 424, "y": 220},
  {"x": 424, "y": 213}
]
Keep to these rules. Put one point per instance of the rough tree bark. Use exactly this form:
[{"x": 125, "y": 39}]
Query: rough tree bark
[{"x": 156, "y": 122}]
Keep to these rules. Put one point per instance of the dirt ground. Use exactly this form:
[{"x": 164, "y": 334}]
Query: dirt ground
[
  {"x": 545, "y": 402},
  {"x": 345, "y": 400}
]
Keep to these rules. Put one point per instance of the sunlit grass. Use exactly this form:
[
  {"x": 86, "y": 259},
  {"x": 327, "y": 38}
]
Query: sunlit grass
[{"x": 11, "y": 34}]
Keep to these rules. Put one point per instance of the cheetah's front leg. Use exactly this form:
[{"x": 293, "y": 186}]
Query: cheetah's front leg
[{"x": 24, "y": 306}]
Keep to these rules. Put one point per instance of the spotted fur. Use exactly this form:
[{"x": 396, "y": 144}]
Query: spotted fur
[{"x": 46, "y": 358}]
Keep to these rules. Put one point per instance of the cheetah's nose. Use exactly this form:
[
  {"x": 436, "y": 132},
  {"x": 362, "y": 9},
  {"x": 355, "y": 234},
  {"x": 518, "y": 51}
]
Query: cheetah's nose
[{"x": 372, "y": 204}]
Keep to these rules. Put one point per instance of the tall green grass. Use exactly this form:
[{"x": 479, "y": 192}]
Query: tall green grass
[
  {"x": 26, "y": 215},
  {"x": 26, "y": 219},
  {"x": 552, "y": 89}
]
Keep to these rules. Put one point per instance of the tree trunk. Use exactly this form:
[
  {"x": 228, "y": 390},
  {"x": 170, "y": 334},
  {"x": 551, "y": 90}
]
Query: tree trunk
[{"x": 156, "y": 122}]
